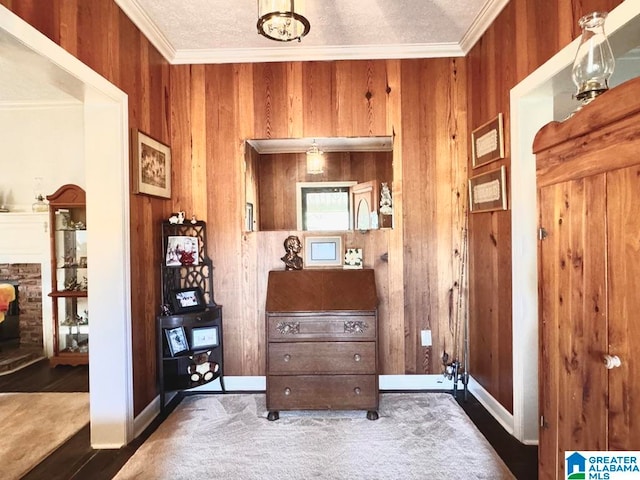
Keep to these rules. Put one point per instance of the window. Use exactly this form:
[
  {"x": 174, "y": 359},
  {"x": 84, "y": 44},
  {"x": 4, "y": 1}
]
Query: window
[{"x": 324, "y": 206}]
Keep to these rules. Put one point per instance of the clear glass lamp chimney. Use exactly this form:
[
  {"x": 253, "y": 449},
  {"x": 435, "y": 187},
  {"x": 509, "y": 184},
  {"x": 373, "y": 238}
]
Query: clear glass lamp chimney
[{"x": 594, "y": 62}]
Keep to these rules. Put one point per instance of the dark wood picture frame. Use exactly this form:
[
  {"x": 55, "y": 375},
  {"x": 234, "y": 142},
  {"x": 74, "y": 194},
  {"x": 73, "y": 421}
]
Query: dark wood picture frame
[
  {"x": 184, "y": 300},
  {"x": 150, "y": 165},
  {"x": 176, "y": 340},
  {"x": 488, "y": 191},
  {"x": 487, "y": 142}
]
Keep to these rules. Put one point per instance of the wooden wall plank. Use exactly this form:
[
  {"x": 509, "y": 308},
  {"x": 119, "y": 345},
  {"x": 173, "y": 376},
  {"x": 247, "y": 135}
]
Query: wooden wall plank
[{"x": 319, "y": 98}]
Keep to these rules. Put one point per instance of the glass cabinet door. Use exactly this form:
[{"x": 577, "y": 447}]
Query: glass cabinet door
[
  {"x": 69, "y": 271},
  {"x": 73, "y": 325}
]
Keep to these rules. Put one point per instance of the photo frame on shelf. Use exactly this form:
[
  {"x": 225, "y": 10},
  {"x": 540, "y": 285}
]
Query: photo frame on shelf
[
  {"x": 323, "y": 251},
  {"x": 182, "y": 250},
  {"x": 487, "y": 142},
  {"x": 151, "y": 165},
  {"x": 203, "y": 338},
  {"x": 176, "y": 340},
  {"x": 488, "y": 191},
  {"x": 184, "y": 300}
]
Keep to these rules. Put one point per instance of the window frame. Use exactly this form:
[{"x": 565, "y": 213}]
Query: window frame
[{"x": 322, "y": 185}]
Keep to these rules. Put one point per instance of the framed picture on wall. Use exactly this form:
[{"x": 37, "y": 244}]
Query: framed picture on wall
[
  {"x": 151, "y": 166},
  {"x": 488, "y": 191},
  {"x": 487, "y": 142}
]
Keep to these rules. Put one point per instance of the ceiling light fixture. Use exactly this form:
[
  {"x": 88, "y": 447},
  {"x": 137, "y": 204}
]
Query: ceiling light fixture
[
  {"x": 279, "y": 20},
  {"x": 315, "y": 160}
]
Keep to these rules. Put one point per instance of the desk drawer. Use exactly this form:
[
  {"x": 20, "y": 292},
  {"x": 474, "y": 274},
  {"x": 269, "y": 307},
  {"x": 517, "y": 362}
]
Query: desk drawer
[
  {"x": 322, "y": 357},
  {"x": 322, "y": 392},
  {"x": 318, "y": 327}
]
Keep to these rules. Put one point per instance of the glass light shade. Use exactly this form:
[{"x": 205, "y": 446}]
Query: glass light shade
[
  {"x": 315, "y": 160},
  {"x": 594, "y": 62},
  {"x": 282, "y": 20}
]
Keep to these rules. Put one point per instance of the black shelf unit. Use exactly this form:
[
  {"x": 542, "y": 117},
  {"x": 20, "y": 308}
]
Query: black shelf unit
[{"x": 173, "y": 370}]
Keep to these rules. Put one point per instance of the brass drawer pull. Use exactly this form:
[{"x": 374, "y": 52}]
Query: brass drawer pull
[
  {"x": 357, "y": 390},
  {"x": 287, "y": 391},
  {"x": 287, "y": 357},
  {"x": 357, "y": 357}
]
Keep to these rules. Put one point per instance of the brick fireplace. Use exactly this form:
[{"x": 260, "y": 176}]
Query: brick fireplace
[
  {"x": 28, "y": 278},
  {"x": 25, "y": 260}
]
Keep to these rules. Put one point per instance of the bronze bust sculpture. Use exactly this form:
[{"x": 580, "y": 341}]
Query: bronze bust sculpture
[{"x": 291, "y": 259}]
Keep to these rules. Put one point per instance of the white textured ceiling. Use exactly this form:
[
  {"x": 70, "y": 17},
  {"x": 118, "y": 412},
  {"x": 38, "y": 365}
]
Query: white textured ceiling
[{"x": 222, "y": 31}]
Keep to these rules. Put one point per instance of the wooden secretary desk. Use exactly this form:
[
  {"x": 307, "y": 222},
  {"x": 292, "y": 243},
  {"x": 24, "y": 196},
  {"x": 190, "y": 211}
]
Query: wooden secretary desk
[
  {"x": 588, "y": 181},
  {"x": 322, "y": 352}
]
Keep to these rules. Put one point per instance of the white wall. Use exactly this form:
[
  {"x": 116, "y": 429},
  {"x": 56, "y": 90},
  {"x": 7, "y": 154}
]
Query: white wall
[{"x": 45, "y": 142}]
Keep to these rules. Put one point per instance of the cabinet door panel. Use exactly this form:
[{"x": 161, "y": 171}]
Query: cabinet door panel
[
  {"x": 573, "y": 321},
  {"x": 623, "y": 191}
]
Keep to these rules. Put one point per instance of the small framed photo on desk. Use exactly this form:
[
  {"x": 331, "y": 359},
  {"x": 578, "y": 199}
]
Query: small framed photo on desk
[{"x": 323, "y": 251}]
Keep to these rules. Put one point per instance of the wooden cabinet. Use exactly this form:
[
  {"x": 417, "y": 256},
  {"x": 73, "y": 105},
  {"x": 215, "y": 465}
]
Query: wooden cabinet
[
  {"x": 588, "y": 173},
  {"x": 69, "y": 262},
  {"x": 322, "y": 341}
]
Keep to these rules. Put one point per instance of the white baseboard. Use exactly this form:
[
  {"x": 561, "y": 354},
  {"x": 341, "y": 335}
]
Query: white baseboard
[
  {"x": 387, "y": 382},
  {"x": 501, "y": 414},
  {"x": 415, "y": 382}
]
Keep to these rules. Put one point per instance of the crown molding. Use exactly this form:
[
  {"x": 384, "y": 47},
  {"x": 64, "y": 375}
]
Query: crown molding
[
  {"x": 481, "y": 23},
  {"x": 137, "y": 15},
  {"x": 293, "y": 53},
  {"x": 301, "y": 52}
]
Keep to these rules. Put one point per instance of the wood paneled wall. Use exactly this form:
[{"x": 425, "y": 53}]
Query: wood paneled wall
[
  {"x": 216, "y": 107},
  {"x": 525, "y": 35},
  {"x": 100, "y": 35}
]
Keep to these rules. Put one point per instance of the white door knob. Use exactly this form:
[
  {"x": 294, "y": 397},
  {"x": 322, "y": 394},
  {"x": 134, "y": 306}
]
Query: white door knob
[{"x": 611, "y": 361}]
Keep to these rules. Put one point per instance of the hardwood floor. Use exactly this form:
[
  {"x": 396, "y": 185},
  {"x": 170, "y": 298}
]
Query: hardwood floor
[{"x": 76, "y": 460}]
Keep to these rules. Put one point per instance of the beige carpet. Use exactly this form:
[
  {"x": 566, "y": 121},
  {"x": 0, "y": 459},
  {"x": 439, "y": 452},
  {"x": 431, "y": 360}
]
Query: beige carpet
[
  {"x": 32, "y": 425},
  {"x": 418, "y": 436}
]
